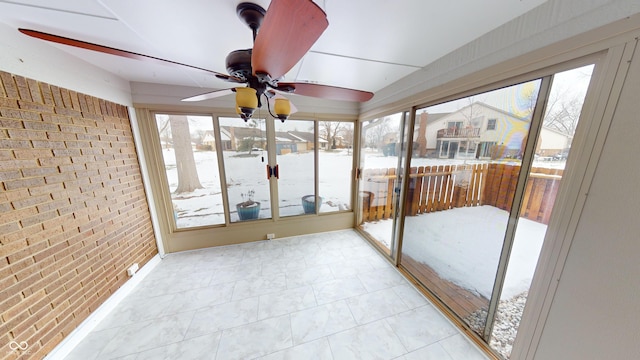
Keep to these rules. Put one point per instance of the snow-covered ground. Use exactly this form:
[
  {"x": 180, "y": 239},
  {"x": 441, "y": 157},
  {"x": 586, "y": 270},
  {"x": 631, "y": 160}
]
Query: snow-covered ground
[{"x": 463, "y": 245}]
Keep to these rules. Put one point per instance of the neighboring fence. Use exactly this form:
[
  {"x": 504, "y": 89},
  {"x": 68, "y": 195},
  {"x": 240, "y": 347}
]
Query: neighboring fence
[{"x": 437, "y": 188}]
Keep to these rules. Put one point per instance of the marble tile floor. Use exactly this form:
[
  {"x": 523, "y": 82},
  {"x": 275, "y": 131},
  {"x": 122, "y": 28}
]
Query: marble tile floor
[{"x": 320, "y": 296}]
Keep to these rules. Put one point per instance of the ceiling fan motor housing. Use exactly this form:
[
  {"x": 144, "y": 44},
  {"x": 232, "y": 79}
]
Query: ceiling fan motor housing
[{"x": 239, "y": 63}]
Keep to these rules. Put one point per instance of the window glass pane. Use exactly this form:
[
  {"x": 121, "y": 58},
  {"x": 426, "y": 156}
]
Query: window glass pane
[
  {"x": 458, "y": 201},
  {"x": 380, "y": 155},
  {"x": 552, "y": 149},
  {"x": 335, "y": 156},
  {"x": 245, "y": 162},
  {"x": 191, "y": 163},
  {"x": 295, "y": 157}
]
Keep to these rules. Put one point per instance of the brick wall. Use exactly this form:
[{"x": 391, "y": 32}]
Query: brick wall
[{"x": 73, "y": 212}]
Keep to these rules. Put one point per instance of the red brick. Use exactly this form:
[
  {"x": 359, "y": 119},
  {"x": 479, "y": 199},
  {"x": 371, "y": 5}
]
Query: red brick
[
  {"x": 27, "y": 134},
  {"x": 67, "y": 112},
  {"x": 40, "y": 125},
  {"x": 34, "y": 106},
  {"x": 38, "y": 218},
  {"x": 10, "y": 175},
  {"x": 10, "y": 113},
  {"x": 51, "y": 135},
  {"x": 11, "y": 123},
  {"x": 34, "y": 89},
  {"x": 6, "y": 102},
  {"x": 23, "y": 88},
  {"x": 74, "y": 100},
  {"x": 47, "y": 95},
  {"x": 28, "y": 154},
  {"x": 8, "y": 228},
  {"x": 47, "y": 144},
  {"x": 31, "y": 201},
  {"x": 6, "y": 154},
  {"x": 14, "y": 144},
  {"x": 83, "y": 121},
  {"x": 9, "y": 85},
  {"x": 39, "y": 171},
  {"x": 55, "y": 161},
  {"x": 23, "y": 183},
  {"x": 56, "y": 119}
]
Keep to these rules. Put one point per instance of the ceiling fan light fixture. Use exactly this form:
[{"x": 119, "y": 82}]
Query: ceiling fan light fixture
[
  {"x": 282, "y": 108},
  {"x": 246, "y": 102}
]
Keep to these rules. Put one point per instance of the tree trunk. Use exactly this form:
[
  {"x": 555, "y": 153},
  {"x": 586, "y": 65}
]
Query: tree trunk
[{"x": 187, "y": 174}]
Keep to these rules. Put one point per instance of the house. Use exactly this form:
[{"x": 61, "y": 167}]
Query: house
[
  {"x": 80, "y": 205},
  {"x": 473, "y": 132},
  {"x": 209, "y": 140},
  {"x": 251, "y": 137}
]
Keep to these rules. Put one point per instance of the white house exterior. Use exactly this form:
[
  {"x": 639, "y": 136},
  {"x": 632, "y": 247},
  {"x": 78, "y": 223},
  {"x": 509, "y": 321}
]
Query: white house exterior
[{"x": 480, "y": 131}]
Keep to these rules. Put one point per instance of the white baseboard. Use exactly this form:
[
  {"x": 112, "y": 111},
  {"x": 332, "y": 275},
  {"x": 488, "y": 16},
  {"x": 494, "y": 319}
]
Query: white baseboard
[{"x": 70, "y": 342}]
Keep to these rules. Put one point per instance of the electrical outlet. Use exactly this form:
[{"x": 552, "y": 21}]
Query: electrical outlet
[
  {"x": 132, "y": 269},
  {"x": 271, "y": 236}
]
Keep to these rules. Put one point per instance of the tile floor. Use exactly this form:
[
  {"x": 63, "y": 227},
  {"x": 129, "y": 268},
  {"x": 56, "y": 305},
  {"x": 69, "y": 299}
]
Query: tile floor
[{"x": 321, "y": 296}]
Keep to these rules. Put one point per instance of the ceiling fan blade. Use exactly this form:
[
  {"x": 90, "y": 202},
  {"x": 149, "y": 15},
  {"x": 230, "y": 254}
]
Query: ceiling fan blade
[
  {"x": 113, "y": 51},
  {"x": 287, "y": 32},
  {"x": 210, "y": 95},
  {"x": 326, "y": 91}
]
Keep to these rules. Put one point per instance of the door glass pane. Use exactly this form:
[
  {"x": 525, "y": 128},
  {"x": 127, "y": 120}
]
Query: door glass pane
[
  {"x": 380, "y": 155},
  {"x": 191, "y": 164},
  {"x": 245, "y": 162},
  {"x": 458, "y": 202},
  {"x": 295, "y": 158},
  {"x": 335, "y": 157},
  {"x": 552, "y": 149}
]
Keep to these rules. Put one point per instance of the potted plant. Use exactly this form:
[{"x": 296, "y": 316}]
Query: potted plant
[
  {"x": 309, "y": 204},
  {"x": 248, "y": 209}
]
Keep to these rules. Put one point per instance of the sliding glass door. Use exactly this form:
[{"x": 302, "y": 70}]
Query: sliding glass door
[
  {"x": 380, "y": 177},
  {"x": 483, "y": 178},
  {"x": 457, "y": 206}
]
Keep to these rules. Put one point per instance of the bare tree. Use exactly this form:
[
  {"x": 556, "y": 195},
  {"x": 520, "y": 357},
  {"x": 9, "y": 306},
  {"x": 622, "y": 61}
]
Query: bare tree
[
  {"x": 563, "y": 115},
  {"x": 376, "y": 130},
  {"x": 188, "y": 179},
  {"x": 329, "y": 130}
]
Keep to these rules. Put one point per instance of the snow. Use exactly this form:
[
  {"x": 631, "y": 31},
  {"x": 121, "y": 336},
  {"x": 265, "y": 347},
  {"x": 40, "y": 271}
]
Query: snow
[{"x": 463, "y": 245}]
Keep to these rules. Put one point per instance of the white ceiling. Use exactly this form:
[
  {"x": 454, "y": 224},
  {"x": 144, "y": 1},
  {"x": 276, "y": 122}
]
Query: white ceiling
[{"x": 368, "y": 45}]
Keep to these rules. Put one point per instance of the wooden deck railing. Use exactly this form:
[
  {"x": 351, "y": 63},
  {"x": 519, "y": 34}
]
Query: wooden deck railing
[{"x": 438, "y": 188}]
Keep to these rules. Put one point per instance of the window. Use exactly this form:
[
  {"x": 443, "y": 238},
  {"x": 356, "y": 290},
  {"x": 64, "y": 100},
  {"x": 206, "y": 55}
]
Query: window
[
  {"x": 335, "y": 162},
  {"x": 245, "y": 163},
  {"x": 491, "y": 124},
  {"x": 295, "y": 156},
  {"x": 191, "y": 165}
]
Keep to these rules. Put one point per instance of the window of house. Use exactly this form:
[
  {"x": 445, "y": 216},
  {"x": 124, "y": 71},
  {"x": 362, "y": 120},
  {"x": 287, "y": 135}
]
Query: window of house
[{"x": 491, "y": 124}]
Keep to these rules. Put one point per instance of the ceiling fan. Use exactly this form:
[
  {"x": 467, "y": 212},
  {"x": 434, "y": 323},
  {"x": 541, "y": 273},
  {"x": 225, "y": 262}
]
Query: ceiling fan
[{"x": 282, "y": 35}]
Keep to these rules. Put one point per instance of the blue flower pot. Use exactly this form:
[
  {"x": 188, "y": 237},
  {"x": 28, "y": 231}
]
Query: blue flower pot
[
  {"x": 249, "y": 212},
  {"x": 309, "y": 204}
]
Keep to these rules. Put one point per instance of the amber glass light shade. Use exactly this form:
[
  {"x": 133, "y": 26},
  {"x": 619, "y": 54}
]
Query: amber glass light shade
[
  {"x": 246, "y": 101},
  {"x": 282, "y": 108}
]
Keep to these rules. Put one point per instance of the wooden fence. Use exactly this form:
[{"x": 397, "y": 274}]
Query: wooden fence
[{"x": 438, "y": 188}]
